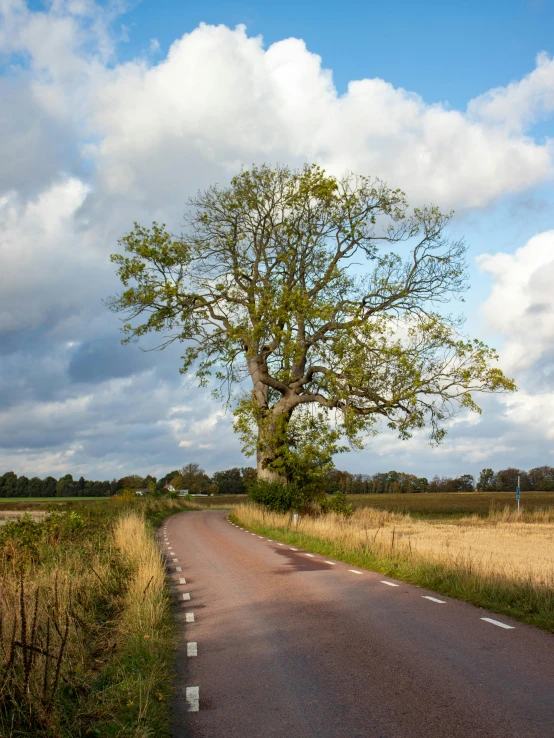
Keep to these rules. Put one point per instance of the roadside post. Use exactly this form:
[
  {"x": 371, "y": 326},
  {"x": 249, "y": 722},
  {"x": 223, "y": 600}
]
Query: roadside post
[{"x": 517, "y": 494}]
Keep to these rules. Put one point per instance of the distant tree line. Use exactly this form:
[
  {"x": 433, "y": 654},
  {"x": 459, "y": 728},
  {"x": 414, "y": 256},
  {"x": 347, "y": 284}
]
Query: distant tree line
[
  {"x": 13, "y": 486},
  {"x": 194, "y": 479},
  {"x": 190, "y": 477},
  {"x": 540, "y": 479},
  {"x": 394, "y": 482}
]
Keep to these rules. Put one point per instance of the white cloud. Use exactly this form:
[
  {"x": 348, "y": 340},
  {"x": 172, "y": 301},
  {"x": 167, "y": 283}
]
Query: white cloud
[
  {"x": 521, "y": 303},
  {"x": 521, "y": 103},
  {"x": 219, "y": 96},
  {"x": 44, "y": 256}
]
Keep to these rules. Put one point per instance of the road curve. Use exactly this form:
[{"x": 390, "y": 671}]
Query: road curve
[{"x": 288, "y": 645}]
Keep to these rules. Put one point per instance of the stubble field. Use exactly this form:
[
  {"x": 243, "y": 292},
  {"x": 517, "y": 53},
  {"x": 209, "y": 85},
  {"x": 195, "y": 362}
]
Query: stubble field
[{"x": 502, "y": 561}]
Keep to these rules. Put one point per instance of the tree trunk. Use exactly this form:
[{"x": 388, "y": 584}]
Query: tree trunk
[{"x": 271, "y": 436}]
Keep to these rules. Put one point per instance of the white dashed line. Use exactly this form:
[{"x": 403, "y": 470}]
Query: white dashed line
[
  {"x": 496, "y": 622},
  {"x": 280, "y": 544},
  {"x": 434, "y": 599},
  {"x": 261, "y": 537},
  {"x": 355, "y": 571},
  {"x": 189, "y": 617},
  {"x": 186, "y": 596},
  {"x": 391, "y": 584},
  {"x": 333, "y": 563},
  {"x": 294, "y": 549},
  {"x": 312, "y": 556},
  {"x": 178, "y": 568},
  {"x": 182, "y": 580},
  {"x": 193, "y": 699},
  {"x": 192, "y": 648},
  {"x": 174, "y": 560}
]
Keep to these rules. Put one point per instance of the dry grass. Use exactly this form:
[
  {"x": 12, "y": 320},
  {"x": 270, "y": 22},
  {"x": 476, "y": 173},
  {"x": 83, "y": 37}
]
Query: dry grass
[
  {"x": 145, "y": 598},
  {"x": 500, "y": 546},
  {"x": 85, "y": 632},
  {"x": 48, "y": 637},
  {"x": 491, "y": 555}
]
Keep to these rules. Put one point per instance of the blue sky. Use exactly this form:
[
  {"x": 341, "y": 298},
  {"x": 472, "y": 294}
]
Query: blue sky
[
  {"x": 445, "y": 51},
  {"x": 449, "y": 101}
]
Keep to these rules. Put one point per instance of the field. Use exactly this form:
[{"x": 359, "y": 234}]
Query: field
[
  {"x": 43, "y": 503},
  {"x": 50, "y": 499},
  {"x": 220, "y": 501},
  {"x": 503, "y": 561},
  {"x": 452, "y": 504}
]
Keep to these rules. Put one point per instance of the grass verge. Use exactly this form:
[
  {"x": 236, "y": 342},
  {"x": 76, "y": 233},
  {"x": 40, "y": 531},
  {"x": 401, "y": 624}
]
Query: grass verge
[
  {"x": 86, "y": 637},
  {"x": 526, "y": 600}
]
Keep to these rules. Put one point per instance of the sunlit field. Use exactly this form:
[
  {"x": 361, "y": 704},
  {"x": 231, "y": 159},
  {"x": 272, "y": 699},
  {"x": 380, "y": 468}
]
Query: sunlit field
[{"x": 503, "y": 561}]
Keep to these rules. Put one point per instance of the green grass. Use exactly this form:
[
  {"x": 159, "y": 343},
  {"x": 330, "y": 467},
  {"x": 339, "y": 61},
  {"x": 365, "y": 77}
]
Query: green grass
[
  {"x": 45, "y": 503},
  {"x": 452, "y": 504},
  {"x": 521, "y": 601},
  {"x": 52, "y": 499}
]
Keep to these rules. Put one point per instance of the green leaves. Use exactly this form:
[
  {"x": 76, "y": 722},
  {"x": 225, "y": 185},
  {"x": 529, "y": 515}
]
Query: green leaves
[{"x": 285, "y": 279}]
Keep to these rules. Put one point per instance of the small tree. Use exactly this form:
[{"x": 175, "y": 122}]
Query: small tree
[
  {"x": 284, "y": 279},
  {"x": 487, "y": 480},
  {"x": 64, "y": 487},
  {"x": 229, "y": 482},
  {"x": 541, "y": 478},
  {"x": 195, "y": 478},
  {"x": 506, "y": 479}
]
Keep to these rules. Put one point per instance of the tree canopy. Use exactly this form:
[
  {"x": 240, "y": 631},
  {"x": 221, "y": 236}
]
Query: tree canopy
[{"x": 327, "y": 295}]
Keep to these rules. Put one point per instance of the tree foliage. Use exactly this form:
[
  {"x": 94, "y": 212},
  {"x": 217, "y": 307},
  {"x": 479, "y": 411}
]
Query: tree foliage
[{"x": 327, "y": 295}]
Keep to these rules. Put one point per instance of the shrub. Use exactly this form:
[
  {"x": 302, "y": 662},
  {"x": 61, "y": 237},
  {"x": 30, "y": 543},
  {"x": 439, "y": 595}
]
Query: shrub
[
  {"x": 280, "y": 497},
  {"x": 273, "y": 495},
  {"x": 336, "y": 504}
]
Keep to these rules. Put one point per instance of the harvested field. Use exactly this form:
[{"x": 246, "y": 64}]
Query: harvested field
[
  {"x": 453, "y": 504},
  {"x": 221, "y": 501},
  {"x": 504, "y": 562}
]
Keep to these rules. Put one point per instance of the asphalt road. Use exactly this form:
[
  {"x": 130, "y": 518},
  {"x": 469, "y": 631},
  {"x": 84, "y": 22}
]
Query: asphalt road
[{"x": 288, "y": 645}]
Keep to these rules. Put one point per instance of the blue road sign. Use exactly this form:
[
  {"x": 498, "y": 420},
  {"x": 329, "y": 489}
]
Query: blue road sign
[{"x": 517, "y": 493}]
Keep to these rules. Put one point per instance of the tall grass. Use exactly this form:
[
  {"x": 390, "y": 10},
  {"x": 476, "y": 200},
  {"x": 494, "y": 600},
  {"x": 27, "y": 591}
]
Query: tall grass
[
  {"x": 85, "y": 633},
  {"x": 501, "y": 564},
  {"x": 139, "y": 677}
]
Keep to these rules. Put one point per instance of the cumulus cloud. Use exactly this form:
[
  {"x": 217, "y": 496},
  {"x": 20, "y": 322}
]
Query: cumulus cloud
[
  {"x": 221, "y": 96},
  {"x": 521, "y": 103},
  {"x": 91, "y": 144},
  {"x": 521, "y": 306}
]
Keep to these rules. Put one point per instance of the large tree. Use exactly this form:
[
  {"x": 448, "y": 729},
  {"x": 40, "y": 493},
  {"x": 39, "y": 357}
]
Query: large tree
[{"x": 324, "y": 294}]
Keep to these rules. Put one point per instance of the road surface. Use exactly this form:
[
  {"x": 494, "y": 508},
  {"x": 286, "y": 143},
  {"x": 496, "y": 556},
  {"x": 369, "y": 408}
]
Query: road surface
[{"x": 280, "y": 643}]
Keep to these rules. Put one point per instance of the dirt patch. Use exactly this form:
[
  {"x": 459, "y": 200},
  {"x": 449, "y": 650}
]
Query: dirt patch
[{"x": 36, "y": 515}]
